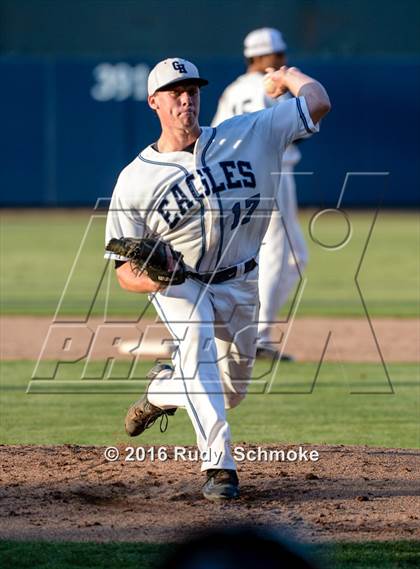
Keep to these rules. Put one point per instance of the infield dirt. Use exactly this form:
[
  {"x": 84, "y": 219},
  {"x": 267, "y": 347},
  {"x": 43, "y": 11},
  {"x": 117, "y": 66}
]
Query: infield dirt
[
  {"x": 72, "y": 493},
  {"x": 352, "y": 339}
]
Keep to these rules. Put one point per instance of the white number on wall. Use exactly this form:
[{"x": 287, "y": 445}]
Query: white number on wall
[{"x": 120, "y": 81}]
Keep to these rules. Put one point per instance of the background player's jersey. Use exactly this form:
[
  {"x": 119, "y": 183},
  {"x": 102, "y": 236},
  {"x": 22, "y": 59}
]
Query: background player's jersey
[
  {"x": 246, "y": 95},
  {"x": 213, "y": 205}
]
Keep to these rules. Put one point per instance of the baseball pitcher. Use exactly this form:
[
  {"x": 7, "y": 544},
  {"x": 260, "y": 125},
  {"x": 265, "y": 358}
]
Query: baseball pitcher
[{"x": 184, "y": 227}]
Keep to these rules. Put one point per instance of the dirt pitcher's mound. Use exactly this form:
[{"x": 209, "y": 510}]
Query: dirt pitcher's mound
[{"x": 72, "y": 493}]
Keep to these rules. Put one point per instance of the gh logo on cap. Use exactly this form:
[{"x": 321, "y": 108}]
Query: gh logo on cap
[{"x": 179, "y": 67}]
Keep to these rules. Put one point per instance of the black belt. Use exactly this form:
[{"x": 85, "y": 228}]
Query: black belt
[{"x": 224, "y": 274}]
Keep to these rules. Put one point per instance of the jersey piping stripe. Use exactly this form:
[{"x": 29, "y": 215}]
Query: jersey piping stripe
[
  {"x": 219, "y": 201},
  {"x": 171, "y": 164},
  {"x": 222, "y": 231},
  {"x": 203, "y": 249},
  {"x": 203, "y": 162},
  {"x": 203, "y": 154},
  {"x": 302, "y": 116},
  {"x": 203, "y": 229},
  {"x": 177, "y": 353},
  {"x": 203, "y": 239}
]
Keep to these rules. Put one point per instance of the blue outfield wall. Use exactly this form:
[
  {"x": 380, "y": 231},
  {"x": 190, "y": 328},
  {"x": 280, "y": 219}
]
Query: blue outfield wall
[{"x": 69, "y": 126}]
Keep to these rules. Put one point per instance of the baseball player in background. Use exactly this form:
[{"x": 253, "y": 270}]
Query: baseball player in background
[
  {"x": 199, "y": 189},
  {"x": 284, "y": 254}
]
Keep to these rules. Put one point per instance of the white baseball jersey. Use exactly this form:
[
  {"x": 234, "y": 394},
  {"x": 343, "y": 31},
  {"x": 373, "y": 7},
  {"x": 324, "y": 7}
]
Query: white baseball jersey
[
  {"x": 246, "y": 95},
  {"x": 206, "y": 204}
]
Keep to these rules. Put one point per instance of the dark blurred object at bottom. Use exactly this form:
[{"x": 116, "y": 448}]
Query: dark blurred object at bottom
[{"x": 237, "y": 548}]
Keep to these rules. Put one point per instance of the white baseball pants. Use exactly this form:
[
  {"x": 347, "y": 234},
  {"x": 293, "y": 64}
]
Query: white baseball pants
[{"x": 215, "y": 329}]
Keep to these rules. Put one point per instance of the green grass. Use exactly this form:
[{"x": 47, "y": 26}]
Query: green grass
[
  {"x": 369, "y": 555},
  {"x": 39, "y": 250},
  {"x": 349, "y": 404},
  {"x": 44, "y": 555},
  {"x": 68, "y": 555}
]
